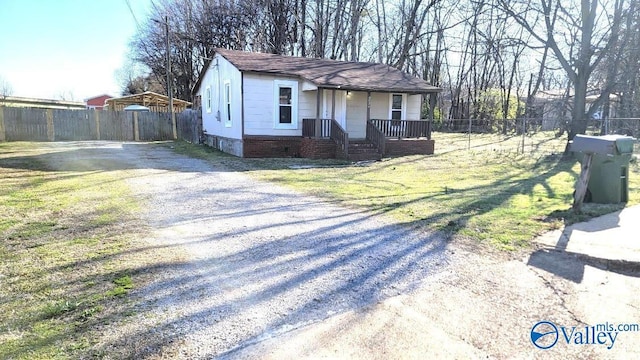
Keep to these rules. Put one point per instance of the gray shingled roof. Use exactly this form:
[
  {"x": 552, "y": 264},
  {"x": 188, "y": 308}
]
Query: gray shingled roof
[{"x": 326, "y": 73}]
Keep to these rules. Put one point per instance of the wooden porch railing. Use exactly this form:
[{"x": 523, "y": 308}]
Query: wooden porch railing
[
  {"x": 309, "y": 128},
  {"x": 341, "y": 138},
  {"x": 328, "y": 128},
  {"x": 375, "y": 136},
  {"x": 377, "y": 132},
  {"x": 404, "y": 128}
]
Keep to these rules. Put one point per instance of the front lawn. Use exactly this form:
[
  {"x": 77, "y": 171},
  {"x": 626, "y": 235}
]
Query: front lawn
[
  {"x": 488, "y": 191},
  {"x": 70, "y": 251}
]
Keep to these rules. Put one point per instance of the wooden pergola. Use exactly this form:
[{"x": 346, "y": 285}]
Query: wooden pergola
[{"x": 154, "y": 101}]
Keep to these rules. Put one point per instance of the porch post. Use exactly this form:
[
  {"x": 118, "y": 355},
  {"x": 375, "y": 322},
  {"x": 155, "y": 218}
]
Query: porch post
[
  {"x": 317, "y": 122},
  {"x": 333, "y": 104},
  {"x": 368, "y": 106},
  {"x": 432, "y": 105},
  {"x": 432, "y": 108}
]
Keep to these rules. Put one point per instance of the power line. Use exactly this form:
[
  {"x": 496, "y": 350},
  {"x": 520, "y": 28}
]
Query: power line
[{"x": 132, "y": 14}]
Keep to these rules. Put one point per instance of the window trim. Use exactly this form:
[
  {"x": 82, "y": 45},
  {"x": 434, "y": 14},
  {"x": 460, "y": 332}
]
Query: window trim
[
  {"x": 208, "y": 99},
  {"x": 277, "y": 84},
  {"x": 403, "y": 109},
  {"x": 227, "y": 103}
]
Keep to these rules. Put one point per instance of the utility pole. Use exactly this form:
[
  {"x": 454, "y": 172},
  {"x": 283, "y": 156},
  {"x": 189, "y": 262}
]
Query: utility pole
[{"x": 169, "y": 92}]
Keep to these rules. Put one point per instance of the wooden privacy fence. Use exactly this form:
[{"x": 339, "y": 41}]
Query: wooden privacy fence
[
  {"x": 189, "y": 124},
  {"x": 32, "y": 124}
]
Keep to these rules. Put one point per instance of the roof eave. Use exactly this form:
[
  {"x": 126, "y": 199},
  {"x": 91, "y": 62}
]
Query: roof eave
[{"x": 415, "y": 91}]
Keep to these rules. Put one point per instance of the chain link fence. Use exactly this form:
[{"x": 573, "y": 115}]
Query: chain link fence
[{"x": 524, "y": 135}]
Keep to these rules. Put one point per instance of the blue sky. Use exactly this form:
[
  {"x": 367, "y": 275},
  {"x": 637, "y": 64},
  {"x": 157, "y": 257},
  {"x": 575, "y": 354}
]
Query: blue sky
[{"x": 48, "y": 47}]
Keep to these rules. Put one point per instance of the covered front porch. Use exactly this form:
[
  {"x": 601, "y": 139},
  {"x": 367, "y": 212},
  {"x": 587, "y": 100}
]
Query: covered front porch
[
  {"x": 365, "y": 124},
  {"x": 383, "y": 137},
  {"x": 354, "y": 122}
]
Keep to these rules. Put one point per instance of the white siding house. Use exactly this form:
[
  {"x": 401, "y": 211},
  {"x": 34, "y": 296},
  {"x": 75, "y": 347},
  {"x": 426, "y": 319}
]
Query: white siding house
[
  {"x": 258, "y": 104},
  {"x": 221, "y": 94}
]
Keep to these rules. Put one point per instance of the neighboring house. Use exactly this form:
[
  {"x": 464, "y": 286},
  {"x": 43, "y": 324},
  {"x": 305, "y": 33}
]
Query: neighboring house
[
  {"x": 16, "y": 101},
  {"x": 266, "y": 105},
  {"x": 553, "y": 107},
  {"x": 97, "y": 102}
]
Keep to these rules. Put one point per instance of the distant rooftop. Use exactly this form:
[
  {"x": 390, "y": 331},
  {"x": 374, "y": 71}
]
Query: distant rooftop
[
  {"x": 154, "y": 101},
  {"x": 17, "y": 101}
]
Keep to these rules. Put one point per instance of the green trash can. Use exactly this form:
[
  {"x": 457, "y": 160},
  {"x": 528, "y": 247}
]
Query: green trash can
[{"x": 609, "y": 180}]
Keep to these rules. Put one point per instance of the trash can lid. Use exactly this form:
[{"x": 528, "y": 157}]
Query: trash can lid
[
  {"x": 607, "y": 144},
  {"x": 624, "y": 144}
]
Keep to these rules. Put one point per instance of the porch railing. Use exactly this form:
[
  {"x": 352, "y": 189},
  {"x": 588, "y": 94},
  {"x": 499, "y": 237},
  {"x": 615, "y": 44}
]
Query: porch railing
[
  {"x": 341, "y": 138},
  {"x": 375, "y": 136},
  {"x": 310, "y": 128},
  {"x": 327, "y": 128},
  {"x": 404, "y": 128}
]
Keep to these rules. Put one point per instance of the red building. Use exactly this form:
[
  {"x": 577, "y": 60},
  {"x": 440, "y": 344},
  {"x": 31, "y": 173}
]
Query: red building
[{"x": 97, "y": 102}]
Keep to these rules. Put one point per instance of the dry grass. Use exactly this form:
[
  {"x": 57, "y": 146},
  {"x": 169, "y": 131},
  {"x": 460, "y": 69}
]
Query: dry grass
[
  {"x": 484, "y": 188},
  {"x": 70, "y": 251},
  {"x": 71, "y": 245}
]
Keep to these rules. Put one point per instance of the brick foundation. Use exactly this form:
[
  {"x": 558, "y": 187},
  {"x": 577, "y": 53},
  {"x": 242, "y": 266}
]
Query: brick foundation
[
  {"x": 271, "y": 146},
  {"x": 318, "y": 148},
  {"x": 293, "y": 146},
  {"x": 402, "y": 147}
]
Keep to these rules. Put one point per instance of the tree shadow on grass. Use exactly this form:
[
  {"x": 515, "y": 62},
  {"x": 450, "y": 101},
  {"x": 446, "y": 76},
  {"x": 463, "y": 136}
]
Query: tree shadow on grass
[
  {"x": 246, "y": 278},
  {"x": 240, "y": 291},
  {"x": 305, "y": 276},
  {"x": 252, "y": 276},
  {"x": 484, "y": 198}
]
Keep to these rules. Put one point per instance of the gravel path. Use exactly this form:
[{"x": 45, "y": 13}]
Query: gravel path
[
  {"x": 261, "y": 259},
  {"x": 257, "y": 271}
]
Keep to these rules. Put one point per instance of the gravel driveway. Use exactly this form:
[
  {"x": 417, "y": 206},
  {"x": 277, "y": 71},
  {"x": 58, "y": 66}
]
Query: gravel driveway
[
  {"x": 257, "y": 271},
  {"x": 260, "y": 260}
]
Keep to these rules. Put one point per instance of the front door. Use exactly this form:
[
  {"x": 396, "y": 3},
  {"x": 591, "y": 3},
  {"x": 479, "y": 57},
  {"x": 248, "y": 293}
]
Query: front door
[{"x": 341, "y": 106}]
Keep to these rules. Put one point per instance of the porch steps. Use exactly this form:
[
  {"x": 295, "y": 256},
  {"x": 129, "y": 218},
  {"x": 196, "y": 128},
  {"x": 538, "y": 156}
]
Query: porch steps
[{"x": 361, "y": 150}]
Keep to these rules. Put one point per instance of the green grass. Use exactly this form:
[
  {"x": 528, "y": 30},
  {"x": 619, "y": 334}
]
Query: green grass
[
  {"x": 123, "y": 285},
  {"x": 489, "y": 191},
  {"x": 69, "y": 254},
  {"x": 66, "y": 239}
]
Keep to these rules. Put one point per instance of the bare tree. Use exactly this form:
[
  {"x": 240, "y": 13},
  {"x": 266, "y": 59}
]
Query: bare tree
[
  {"x": 619, "y": 71},
  {"x": 274, "y": 27},
  {"x": 579, "y": 35},
  {"x": 482, "y": 82},
  {"x": 66, "y": 95},
  {"x": 196, "y": 28},
  {"x": 473, "y": 51},
  {"x": 5, "y": 88},
  {"x": 629, "y": 85}
]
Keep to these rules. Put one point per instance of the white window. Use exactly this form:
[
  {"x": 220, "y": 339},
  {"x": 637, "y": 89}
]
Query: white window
[
  {"x": 286, "y": 104},
  {"x": 227, "y": 103},
  {"x": 397, "y": 107},
  {"x": 208, "y": 98}
]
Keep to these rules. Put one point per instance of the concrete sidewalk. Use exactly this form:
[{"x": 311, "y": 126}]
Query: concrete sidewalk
[{"x": 612, "y": 237}]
